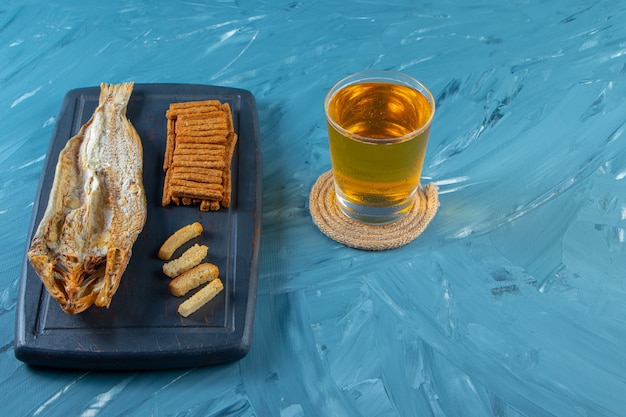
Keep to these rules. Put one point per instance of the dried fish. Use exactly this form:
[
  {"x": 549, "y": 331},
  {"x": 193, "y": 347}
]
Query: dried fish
[{"x": 96, "y": 209}]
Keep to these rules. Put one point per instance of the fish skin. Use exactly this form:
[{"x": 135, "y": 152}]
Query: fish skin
[{"x": 96, "y": 210}]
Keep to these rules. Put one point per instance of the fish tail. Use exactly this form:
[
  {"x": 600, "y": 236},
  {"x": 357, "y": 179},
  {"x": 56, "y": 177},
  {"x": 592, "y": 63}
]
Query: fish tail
[{"x": 118, "y": 93}]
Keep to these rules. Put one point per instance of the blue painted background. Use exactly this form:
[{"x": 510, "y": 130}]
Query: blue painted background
[{"x": 512, "y": 303}]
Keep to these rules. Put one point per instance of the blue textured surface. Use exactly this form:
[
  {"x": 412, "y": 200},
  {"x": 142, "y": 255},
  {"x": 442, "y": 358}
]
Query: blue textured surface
[{"x": 513, "y": 301}]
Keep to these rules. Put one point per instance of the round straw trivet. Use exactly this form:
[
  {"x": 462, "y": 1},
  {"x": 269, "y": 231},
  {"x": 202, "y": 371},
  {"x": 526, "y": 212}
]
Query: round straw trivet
[{"x": 336, "y": 225}]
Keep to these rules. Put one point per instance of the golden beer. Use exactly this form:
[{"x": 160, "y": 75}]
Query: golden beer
[{"x": 378, "y": 129}]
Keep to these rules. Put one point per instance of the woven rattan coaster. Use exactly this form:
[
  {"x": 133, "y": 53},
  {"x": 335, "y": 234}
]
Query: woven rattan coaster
[{"x": 339, "y": 227}]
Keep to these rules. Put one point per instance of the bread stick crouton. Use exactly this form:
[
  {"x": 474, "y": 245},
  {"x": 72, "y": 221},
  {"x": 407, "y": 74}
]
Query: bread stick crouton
[
  {"x": 178, "y": 238},
  {"x": 190, "y": 258},
  {"x": 193, "y": 278},
  {"x": 200, "y": 298}
]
